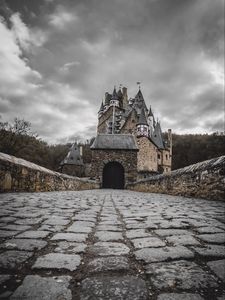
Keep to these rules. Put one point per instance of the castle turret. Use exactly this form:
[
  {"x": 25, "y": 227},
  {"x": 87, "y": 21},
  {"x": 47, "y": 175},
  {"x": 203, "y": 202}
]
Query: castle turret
[
  {"x": 120, "y": 98},
  {"x": 157, "y": 136},
  {"x": 142, "y": 125},
  {"x": 115, "y": 99},
  {"x": 125, "y": 97},
  {"x": 151, "y": 121},
  {"x": 101, "y": 110},
  {"x": 170, "y": 141}
]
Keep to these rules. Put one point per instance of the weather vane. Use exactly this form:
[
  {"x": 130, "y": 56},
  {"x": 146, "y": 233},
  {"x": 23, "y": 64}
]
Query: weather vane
[{"x": 139, "y": 84}]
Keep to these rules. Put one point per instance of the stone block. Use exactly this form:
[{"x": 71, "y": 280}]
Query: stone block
[
  {"x": 148, "y": 242},
  {"x": 180, "y": 275},
  {"x": 218, "y": 267},
  {"x": 113, "y": 288},
  {"x": 162, "y": 254},
  {"x": 58, "y": 261},
  {"x": 111, "y": 263},
  {"x": 35, "y": 287},
  {"x": 13, "y": 259},
  {"x": 109, "y": 248}
]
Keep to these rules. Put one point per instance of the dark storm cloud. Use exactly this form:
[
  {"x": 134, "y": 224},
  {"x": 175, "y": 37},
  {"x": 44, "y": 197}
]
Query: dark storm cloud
[{"x": 77, "y": 50}]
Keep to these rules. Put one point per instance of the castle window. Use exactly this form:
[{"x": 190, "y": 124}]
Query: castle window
[
  {"x": 133, "y": 121},
  {"x": 166, "y": 156},
  {"x": 158, "y": 156}
]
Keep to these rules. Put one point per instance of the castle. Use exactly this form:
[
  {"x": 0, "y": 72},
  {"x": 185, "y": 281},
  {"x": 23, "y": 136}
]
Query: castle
[{"x": 129, "y": 144}]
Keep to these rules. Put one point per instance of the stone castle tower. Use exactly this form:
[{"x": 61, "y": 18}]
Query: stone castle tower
[{"x": 119, "y": 115}]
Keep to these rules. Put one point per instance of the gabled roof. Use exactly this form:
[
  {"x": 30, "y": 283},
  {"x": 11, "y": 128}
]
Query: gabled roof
[
  {"x": 142, "y": 118},
  {"x": 157, "y": 136},
  {"x": 73, "y": 157},
  {"x": 114, "y": 142}
]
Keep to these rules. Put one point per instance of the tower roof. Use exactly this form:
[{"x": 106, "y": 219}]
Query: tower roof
[
  {"x": 157, "y": 136},
  {"x": 150, "y": 113},
  {"x": 139, "y": 96},
  {"x": 73, "y": 157},
  {"x": 101, "y": 107},
  {"x": 114, "y": 94},
  {"x": 139, "y": 102},
  {"x": 120, "y": 94},
  {"x": 142, "y": 118},
  {"x": 107, "y": 98}
]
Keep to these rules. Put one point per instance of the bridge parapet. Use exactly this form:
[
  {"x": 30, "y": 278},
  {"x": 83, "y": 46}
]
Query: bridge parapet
[
  {"x": 202, "y": 180},
  {"x": 19, "y": 175}
]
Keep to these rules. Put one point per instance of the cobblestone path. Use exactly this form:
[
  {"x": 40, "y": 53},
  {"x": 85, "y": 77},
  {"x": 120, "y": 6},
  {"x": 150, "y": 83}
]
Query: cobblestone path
[{"x": 109, "y": 244}]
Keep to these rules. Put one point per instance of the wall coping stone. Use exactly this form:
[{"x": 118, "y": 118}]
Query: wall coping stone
[
  {"x": 19, "y": 175},
  {"x": 207, "y": 165},
  {"x": 22, "y": 162}
]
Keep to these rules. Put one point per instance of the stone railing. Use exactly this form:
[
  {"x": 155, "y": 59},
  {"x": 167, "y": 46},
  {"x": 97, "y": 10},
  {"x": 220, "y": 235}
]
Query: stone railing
[
  {"x": 19, "y": 175},
  {"x": 202, "y": 180}
]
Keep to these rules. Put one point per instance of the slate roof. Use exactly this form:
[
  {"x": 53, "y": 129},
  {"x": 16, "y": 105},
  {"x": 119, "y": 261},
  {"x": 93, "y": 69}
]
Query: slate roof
[
  {"x": 150, "y": 113},
  {"x": 157, "y": 136},
  {"x": 120, "y": 94},
  {"x": 142, "y": 118},
  {"x": 101, "y": 107},
  {"x": 114, "y": 94},
  {"x": 107, "y": 98},
  {"x": 114, "y": 142},
  {"x": 139, "y": 102},
  {"x": 73, "y": 157}
]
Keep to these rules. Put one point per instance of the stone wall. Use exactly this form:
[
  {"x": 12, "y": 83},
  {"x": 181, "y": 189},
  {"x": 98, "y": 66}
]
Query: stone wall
[
  {"x": 127, "y": 158},
  {"x": 19, "y": 175},
  {"x": 73, "y": 170},
  {"x": 147, "y": 155},
  {"x": 202, "y": 180}
]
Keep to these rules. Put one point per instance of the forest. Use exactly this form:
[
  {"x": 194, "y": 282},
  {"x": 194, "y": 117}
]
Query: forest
[{"x": 18, "y": 139}]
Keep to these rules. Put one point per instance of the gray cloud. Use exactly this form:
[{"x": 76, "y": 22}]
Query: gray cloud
[{"x": 80, "y": 49}]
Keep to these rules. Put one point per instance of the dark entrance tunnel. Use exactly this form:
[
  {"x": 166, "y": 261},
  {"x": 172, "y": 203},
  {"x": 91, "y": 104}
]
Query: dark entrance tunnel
[{"x": 113, "y": 176}]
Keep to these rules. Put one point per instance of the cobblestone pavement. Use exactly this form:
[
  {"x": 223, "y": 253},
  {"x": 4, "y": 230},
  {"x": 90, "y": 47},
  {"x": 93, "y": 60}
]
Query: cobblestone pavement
[{"x": 109, "y": 244}]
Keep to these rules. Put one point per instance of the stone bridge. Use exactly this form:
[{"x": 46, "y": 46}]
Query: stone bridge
[
  {"x": 84, "y": 243},
  {"x": 111, "y": 244},
  {"x": 202, "y": 180}
]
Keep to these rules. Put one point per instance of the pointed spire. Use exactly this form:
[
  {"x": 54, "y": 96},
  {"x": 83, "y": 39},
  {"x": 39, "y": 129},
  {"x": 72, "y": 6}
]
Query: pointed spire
[
  {"x": 101, "y": 107},
  {"x": 139, "y": 95},
  {"x": 120, "y": 94},
  {"x": 150, "y": 113},
  {"x": 142, "y": 118},
  {"x": 114, "y": 94},
  {"x": 107, "y": 98},
  {"x": 157, "y": 136}
]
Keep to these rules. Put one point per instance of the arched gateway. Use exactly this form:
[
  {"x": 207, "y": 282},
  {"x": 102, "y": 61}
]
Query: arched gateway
[
  {"x": 113, "y": 156},
  {"x": 113, "y": 176}
]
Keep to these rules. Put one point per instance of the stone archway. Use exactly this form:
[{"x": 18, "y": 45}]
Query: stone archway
[{"x": 113, "y": 176}]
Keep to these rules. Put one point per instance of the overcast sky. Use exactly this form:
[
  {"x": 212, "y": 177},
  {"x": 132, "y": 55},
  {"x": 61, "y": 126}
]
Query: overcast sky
[{"x": 58, "y": 58}]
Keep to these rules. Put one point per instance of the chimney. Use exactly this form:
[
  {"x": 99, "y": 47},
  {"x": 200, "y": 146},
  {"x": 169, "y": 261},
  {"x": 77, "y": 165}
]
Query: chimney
[
  {"x": 124, "y": 92},
  {"x": 125, "y": 97},
  {"x": 170, "y": 140}
]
